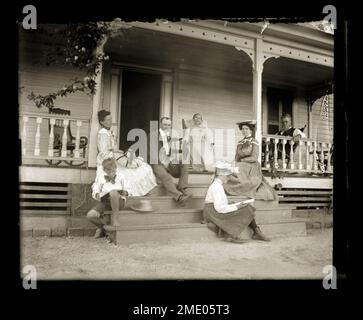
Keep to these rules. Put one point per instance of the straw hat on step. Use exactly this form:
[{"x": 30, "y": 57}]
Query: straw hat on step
[{"x": 142, "y": 206}]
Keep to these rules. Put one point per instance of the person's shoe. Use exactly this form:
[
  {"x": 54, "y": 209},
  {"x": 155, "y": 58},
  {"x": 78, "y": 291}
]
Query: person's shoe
[
  {"x": 258, "y": 235},
  {"x": 183, "y": 191},
  {"x": 236, "y": 240},
  {"x": 211, "y": 226},
  {"x": 100, "y": 233},
  {"x": 183, "y": 199}
]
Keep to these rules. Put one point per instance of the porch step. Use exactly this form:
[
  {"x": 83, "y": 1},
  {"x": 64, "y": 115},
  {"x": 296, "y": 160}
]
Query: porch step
[
  {"x": 158, "y": 233},
  {"x": 196, "y": 202},
  {"x": 163, "y": 233},
  {"x": 174, "y": 216},
  {"x": 197, "y": 189}
]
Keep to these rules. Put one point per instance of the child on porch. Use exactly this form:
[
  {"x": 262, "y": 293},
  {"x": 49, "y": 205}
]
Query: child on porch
[{"x": 109, "y": 189}]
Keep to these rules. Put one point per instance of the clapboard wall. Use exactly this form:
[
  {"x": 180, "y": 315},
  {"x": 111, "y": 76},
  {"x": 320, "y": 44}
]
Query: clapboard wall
[{"x": 35, "y": 76}]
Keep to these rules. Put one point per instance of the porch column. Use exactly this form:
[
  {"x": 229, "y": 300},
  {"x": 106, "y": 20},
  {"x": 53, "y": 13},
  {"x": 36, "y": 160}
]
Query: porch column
[
  {"x": 257, "y": 68},
  {"x": 94, "y": 125}
]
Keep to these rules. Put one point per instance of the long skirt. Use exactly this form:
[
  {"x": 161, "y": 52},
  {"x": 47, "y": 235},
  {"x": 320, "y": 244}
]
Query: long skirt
[
  {"x": 250, "y": 182},
  {"x": 138, "y": 181},
  {"x": 232, "y": 223}
]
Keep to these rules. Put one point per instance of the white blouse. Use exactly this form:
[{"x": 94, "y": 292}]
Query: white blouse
[
  {"x": 103, "y": 187},
  {"x": 217, "y": 196}
]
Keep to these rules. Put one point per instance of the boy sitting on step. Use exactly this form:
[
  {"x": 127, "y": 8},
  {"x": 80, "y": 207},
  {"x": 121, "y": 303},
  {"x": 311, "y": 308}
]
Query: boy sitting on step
[{"x": 109, "y": 190}]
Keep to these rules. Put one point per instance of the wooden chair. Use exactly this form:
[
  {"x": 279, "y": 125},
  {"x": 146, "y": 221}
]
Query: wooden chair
[{"x": 58, "y": 130}]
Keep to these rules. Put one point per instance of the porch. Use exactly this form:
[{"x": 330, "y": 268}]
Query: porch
[{"x": 223, "y": 73}]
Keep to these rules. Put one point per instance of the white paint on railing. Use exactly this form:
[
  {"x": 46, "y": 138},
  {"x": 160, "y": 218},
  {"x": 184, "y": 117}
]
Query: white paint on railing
[
  {"x": 37, "y": 137},
  {"x": 291, "y": 163},
  {"x": 51, "y": 138},
  {"x": 65, "y": 137},
  {"x": 24, "y": 137},
  {"x": 315, "y": 153},
  {"x": 76, "y": 151},
  {"x": 267, "y": 154},
  {"x": 54, "y": 121},
  {"x": 315, "y": 163},
  {"x": 275, "y": 151},
  {"x": 300, "y": 166},
  {"x": 307, "y": 154},
  {"x": 283, "y": 153}
]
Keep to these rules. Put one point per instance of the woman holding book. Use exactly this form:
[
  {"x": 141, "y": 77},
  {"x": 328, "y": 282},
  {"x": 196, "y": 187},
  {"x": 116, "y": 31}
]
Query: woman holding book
[{"x": 230, "y": 218}]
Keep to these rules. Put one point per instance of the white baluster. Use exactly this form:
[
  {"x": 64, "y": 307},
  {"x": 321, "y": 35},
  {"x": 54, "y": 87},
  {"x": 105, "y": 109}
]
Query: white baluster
[
  {"x": 76, "y": 151},
  {"x": 37, "y": 138},
  {"x": 276, "y": 140},
  {"x": 51, "y": 138},
  {"x": 308, "y": 155},
  {"x": 267, "y": 162},
  {"x": 292, "y": 165},
  {"x": 322, "y": 144},
  {"x": 65, "y": 136},
  {"x": 315, "y": 163},
  {"x": 300, "y": 166},
  {"x": 283, "y": 154},
  {"x": 25, "y": 121}
]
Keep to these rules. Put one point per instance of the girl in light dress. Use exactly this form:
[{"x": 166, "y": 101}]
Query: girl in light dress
[{"x": 139, "y": 177}]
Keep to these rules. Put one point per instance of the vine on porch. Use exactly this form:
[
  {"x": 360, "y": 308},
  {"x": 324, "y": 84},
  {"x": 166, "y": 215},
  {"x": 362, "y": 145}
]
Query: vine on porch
[{"x": 77, "y": 47}]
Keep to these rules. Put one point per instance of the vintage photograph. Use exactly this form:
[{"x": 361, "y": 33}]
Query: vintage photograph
[{"x": 188, "y": 149}]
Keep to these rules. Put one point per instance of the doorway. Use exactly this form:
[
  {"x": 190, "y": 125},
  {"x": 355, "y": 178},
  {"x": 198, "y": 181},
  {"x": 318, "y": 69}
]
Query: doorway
[{"x": 140, "y": 103}]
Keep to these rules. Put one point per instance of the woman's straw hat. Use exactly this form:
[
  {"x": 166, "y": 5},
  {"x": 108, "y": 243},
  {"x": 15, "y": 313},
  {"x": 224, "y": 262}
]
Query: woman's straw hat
[
  {"x": 142, "y": 206},
  {"x": 224, "y": 168}
]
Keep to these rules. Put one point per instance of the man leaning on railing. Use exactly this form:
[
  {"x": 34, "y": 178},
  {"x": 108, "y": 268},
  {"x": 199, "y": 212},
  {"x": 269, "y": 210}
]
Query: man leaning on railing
[{"x": 288, "y": 131}]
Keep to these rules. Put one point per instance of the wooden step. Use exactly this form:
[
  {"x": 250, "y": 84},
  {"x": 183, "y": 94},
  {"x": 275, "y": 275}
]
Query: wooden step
[
  {"x": 161, "y": 217},
  {"x": 173, "y": 216},
  {"x": 196, "y": 189},
  {"x": 159, "y": 233},
  {"x": 196, "y": 202},
  {"x": 194, "y": 231}
]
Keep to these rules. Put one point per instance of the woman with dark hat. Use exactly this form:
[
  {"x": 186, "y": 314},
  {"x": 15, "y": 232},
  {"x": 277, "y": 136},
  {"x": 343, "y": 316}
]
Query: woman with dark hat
[
  {"x": 249, "y": 181},
  {"x": 230, "y": 218}
]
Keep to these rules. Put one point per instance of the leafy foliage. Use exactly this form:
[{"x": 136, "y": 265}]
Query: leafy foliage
[{"x": 77, "y": 48}]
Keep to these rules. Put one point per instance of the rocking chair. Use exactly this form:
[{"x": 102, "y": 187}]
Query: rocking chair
[{"x": 58, "y": 130}]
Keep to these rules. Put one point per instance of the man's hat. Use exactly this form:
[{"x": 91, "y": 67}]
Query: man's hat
[{"x": 143, "y": 206}]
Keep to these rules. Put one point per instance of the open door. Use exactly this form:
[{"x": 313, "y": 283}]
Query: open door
[{"x": 140, "y": 103}]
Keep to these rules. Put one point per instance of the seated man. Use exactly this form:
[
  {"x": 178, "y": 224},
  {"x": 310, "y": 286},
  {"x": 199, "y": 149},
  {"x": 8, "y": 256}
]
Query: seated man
[
  {"x": 289, "y": 131},
  {"x": 109, "y": 190},
  {"x": 167, "y": 166}
]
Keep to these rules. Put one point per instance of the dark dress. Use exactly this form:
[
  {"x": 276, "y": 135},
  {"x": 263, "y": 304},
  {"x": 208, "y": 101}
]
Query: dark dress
[
  {"x": 233, "y": 223},
  {"x": 249, "y": 182}
]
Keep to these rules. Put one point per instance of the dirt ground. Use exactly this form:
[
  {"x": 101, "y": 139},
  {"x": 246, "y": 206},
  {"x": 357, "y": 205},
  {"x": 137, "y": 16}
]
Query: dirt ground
[{"x": 88, "y": 258}]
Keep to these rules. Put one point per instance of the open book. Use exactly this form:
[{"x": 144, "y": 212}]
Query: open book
[{"x": 247, "y": 201}]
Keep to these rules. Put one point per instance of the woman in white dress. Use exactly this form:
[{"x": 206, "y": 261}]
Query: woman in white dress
[
  {"x": 139, "y": 177},
  {"x": 201, "y": 147}
]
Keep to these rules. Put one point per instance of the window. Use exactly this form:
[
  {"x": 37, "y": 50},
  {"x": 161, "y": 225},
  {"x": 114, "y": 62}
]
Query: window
[{"x": 279, "y": 101}]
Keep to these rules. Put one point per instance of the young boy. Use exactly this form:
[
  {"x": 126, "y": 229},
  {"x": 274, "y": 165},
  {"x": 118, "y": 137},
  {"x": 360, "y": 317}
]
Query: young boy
[{"x": 109, "y": 189}]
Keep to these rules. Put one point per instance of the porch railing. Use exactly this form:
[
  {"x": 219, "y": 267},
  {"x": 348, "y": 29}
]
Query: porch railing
[
  {"x": 305, "y": 155},
  {"x": 39, "y": 141}
]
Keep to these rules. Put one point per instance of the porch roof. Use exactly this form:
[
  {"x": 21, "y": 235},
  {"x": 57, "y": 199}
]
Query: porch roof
[{"x": 160, "y": 48}]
